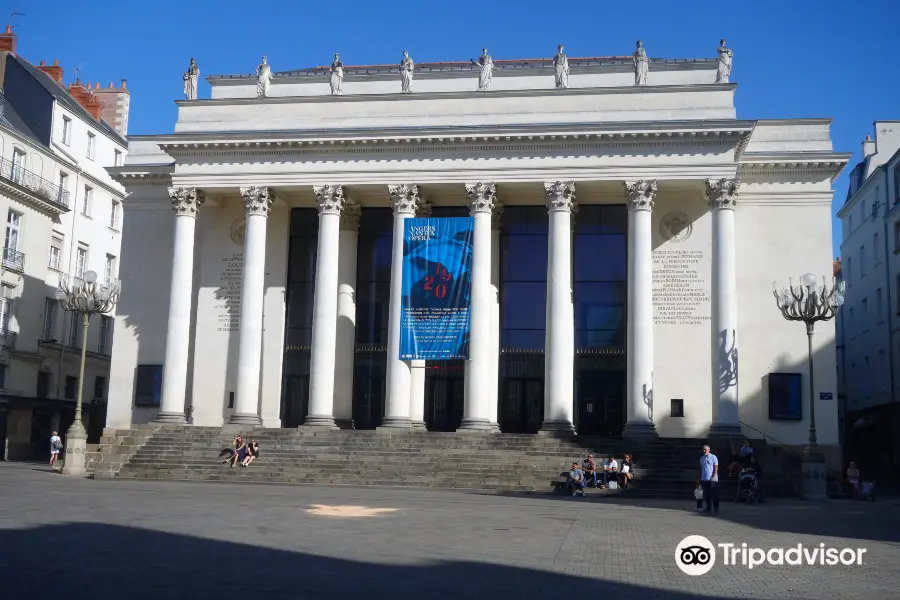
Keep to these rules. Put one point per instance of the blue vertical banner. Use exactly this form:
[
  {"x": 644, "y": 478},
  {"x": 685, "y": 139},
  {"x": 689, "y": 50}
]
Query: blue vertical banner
[{"x": 437, "y": 279}]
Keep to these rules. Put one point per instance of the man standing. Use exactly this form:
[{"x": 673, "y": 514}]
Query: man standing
[
  {"x": 709, "y": 479},
  {"x": 576, "y": 480}
]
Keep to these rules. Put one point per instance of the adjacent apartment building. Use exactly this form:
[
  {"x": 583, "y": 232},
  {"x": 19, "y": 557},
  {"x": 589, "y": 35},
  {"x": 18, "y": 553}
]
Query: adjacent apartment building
[
  {"x": 63, "y": 216},
  {"x": 867, "y": 328}
]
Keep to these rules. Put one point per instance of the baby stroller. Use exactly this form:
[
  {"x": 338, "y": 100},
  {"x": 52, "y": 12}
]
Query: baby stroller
[{"x": 747, "y": 486}]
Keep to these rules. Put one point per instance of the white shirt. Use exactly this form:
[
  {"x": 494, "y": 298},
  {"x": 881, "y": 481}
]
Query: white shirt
[{"x": 611, "y": 465}]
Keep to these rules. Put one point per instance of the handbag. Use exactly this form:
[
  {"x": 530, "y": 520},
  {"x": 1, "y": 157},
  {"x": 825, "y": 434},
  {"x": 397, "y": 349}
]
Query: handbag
[
  {"x": 57, "y": 445},
  {"x": 698, "y": 494}
]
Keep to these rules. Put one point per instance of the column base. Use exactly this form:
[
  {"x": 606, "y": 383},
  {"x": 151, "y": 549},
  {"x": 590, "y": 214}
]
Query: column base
[
  {"x": 76, "y": 444},
  {"x": 394, "y": 423},
  {"x": 474, "y": 425},
  {"x": 815, "y": 487},
  {"x": 239, "y": 419},
  {"x": 345, "y": 423},
  {"x": 639, "y": 430},
  {"x": 729, "y": 430},
  {"x": 419, "y": 426},
  {"x": 495, "y": 427},
  {"x": 557, "y": 428},
  {"x": 320, "y": 422},
  {"x": 171, "y": 418}
]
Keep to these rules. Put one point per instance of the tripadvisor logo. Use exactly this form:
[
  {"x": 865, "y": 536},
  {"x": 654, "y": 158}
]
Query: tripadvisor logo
[{"x": 696, "y": 555}]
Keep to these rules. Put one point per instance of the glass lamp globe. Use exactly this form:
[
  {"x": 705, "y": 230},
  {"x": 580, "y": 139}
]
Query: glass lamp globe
[
  {"x": 90, "y": 276},
  {"x": 808, "y": 280}
]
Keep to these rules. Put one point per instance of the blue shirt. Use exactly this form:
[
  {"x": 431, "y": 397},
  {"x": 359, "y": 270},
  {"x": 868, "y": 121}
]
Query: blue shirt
[
  {"x": 575, "y": 474},
  {"x": 707, "y": 462}
]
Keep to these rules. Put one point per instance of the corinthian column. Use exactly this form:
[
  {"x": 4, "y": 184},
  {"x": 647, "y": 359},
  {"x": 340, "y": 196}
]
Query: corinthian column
[
  {"x": 404, "y": 199},
  {"x": 330, "y": 200},
  {"x": 186, "y": 202},
  {"x": 639, "y": 392},
  {"x": 725, "y": 417},
  {"x": 417, "y": 367},
  {"x": 257, "y": 202},
  {"x": 345, "y": 354},
  {"x": 559, "y": 358},
  {"x": 493, "y": 390},
  {"x": 476, "y": 414}
]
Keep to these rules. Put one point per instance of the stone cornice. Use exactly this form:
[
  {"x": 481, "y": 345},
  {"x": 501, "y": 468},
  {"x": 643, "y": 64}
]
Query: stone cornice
[
  {"x": 31, "y": 198},
  {"x": 130, "y": 175},
  {"x": 419, "y": 96},
  {"x": 828, "y": 164}
]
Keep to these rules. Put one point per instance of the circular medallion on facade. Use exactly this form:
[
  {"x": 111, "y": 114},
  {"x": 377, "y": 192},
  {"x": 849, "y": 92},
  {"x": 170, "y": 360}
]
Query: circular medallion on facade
[
  {"x": 238, "y": 229},
  {"x": 676, "y": 227}
]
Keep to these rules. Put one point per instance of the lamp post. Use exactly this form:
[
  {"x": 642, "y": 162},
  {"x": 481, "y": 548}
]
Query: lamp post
[
  {"x": 810, "y": 302},
  {"x": 86, "y": 297}
]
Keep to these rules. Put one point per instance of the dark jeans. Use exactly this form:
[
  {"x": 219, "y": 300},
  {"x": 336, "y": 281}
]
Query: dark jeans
[
  {"x": 590, "y": 478},
  {"x": 710, "y": 495},
  {"x": 575, "y": 486}
]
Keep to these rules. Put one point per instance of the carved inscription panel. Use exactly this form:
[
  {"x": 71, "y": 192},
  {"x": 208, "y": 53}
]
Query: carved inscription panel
[
  {"x": 680, "y": 287},
  {"x": 228, "y": 296}
]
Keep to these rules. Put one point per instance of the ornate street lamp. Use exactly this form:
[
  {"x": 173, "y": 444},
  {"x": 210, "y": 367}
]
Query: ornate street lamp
[
  {"x": 810, "y": 302},
  {"x": 86, "y": 297}
]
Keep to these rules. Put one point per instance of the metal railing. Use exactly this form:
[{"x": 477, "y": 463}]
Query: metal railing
[
  {"x": 7, "y": 339},
  {"x": 787, "y": 448},
  {"x": 45, "y": 189},
  {"x": 13, "y": 260}
]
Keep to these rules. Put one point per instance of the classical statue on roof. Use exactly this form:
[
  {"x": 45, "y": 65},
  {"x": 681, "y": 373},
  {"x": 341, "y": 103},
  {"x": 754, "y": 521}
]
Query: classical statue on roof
[
  {"x": 486, "y": 65},
  {"x": 561, "y": 67},
  {"x": 406, "y": 72},
  {"x": 337, "y": 76},
  {"x": 190, "y": 80},
  {"x": 723, "y": 73},
  {"x": 263, "y": 78},
  {"x": 641, "y": 64}
]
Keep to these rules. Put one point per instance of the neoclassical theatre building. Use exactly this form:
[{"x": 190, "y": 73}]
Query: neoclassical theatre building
[{"x": 628, "y": 229}]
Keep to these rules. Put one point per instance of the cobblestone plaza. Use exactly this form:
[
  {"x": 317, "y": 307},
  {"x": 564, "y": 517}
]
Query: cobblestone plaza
[{"x": 85, "y": 539}]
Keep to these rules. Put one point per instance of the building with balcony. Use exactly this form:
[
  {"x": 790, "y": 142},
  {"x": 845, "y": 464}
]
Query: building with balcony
[
  {"x": 869, "y": 321},
  {"x": 63, "y": 217}
]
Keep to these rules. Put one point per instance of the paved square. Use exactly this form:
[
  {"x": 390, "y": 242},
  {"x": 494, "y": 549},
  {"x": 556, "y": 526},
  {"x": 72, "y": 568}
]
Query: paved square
[{"x": 125, "y": 539}]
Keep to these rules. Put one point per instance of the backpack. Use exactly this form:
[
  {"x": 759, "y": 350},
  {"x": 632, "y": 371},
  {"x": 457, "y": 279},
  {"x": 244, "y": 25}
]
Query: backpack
[{"x": 57, "y": 445}]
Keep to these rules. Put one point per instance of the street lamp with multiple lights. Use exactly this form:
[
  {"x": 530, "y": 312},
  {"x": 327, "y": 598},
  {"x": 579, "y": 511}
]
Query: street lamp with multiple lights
[
  {"x": 85, "y": 297},
  {"x": 810, "y": 302}
]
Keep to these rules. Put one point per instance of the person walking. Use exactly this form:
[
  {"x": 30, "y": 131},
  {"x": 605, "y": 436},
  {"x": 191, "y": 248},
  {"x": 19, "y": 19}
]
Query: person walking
[
  {"x": 709, "y": 479},
  {"x": 55, "y": 446}
]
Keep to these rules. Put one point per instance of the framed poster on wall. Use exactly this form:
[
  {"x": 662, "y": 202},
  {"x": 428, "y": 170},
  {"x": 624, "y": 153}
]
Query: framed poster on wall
[{"x": 785, "y": 396}]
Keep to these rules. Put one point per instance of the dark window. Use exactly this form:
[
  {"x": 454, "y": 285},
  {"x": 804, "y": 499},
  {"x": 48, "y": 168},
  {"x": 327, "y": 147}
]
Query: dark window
[
  {"x": 2, "y": 377},
  {"x": 523, "y": 278},
  {"x": 785, "y": 396},
  {"x": 148, "y": 388},
  {"x": 301, "y": 277},
  {"x": 373, "y": 275},
  {"x": 230, "y": 399},
  {"x": 99, "y": 387},
  {"x": 43, "y": 384},
  {"x": 71, "y": 387},
  {"x": 677, "y": 409}
]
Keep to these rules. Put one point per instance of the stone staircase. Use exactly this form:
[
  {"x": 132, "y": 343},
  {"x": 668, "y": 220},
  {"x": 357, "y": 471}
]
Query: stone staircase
[
  {"x": 116, "y": 448},
  {"x": 511, "y": 463}
]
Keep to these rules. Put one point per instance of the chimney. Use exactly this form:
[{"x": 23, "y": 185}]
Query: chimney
[
  {"x": 55, "y": 72},
  {"x": 123, "y": 83},
  {"x": 86, "y": 98},
  {"x": 868, "y": 147},
  {"x": 8, "y": 40},
  {"x": 837, "y": 266}
]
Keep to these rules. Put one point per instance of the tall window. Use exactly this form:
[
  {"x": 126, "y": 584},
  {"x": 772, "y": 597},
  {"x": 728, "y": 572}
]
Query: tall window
[
  {"x": 897, "y": 184},
  {"x": 80, "y": 262},
  {"x": 600, "y": 285},
  {"x": 110, "y": 271},
  {"x": 43, "y": 384},
  {"x": 875, "y": 252},
  {"x": 373, "y": 271},
  {"x": 66, "y": 130},
  {"x": 114, "y": 215},
  {"x": 849, "y": 224},
  {"x": 849, "y": 274},
  {"x": 11, "y": 245},
  {"x": 862, "y": 261},
  {"x": 88, "y": 201},
  {"x": 898, "y": 294},
  {"x": 117, "y": 158},
  {"x": 74, "y": 328},
  {"x": 63, "y": 187},
  {"x": 6, "y": 304},
  {"x": 99, "y": 387},
  {"x": 56, "y": 245},
  {"x": 49, "y": 318},
  {"x": 18, "y": 165},
  {"x": 523, "y": 278},
  {"x": 105, "y": 326},
  {"x": 71, "y": 387},
  {"x": 896, "y": 237},
  {"x": 878, "y": 306},
  {"x": 91, "y": 143}
]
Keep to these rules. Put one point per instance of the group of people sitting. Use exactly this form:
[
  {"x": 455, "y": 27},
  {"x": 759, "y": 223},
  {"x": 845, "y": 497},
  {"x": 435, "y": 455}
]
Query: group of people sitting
[
  {"x": 608, "y": 474},
  {"x": 242, "y": 452}
]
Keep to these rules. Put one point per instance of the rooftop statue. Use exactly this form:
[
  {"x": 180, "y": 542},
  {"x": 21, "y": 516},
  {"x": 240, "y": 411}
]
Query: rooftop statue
[
  {"x": 723, "y": 73},
  {"x": 487, "y": 71},
  {"x": 337, "y": 76},
  {"x": 641, "y": 64},
  {"x": 190, "y": 80},
  {"x": 263, "y": 78},
  {"x": 561, "y": 67},
  {"x": 406, "y": 72}
]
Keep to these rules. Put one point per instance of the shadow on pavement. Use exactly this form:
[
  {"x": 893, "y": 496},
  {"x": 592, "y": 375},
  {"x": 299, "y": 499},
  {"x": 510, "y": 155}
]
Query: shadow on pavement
[{"x": 93, "y": 561}]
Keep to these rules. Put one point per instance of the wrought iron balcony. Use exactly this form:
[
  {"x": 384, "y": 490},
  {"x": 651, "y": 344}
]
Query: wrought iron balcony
[
  {"x": 7, "y": 339},
  {"x": 13, "y": 260},
  {"x": 36, "y": 184}
]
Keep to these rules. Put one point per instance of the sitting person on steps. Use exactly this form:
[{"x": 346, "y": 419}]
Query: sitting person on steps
[
  {"x": 576, "y": 480},
  {"x": 252, "y": 453},
  {"x": 626, "y": 472},
  {"x": 240, "y": 450}
]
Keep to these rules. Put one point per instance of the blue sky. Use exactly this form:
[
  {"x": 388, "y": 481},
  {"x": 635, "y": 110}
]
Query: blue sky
[{"x": 828, "y": 58}]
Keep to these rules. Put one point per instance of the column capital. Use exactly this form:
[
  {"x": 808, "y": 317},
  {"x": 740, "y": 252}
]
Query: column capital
[
  {"x": 330, "y": 199},
  {"x": 560, "y": 196},
  {"x": 424, "y": 209},
  {"x": 186, "y": 201},
  {"x": 404, "y": 198},
  {"x": 257, "y": 200},
  {"x": 497, "y": 216},
  {"x": 482, "y": 197},
  {"x": 721, "y": 193},
  {"x": 639, "y": 194},
  {"x": 350, "y": 217}
]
